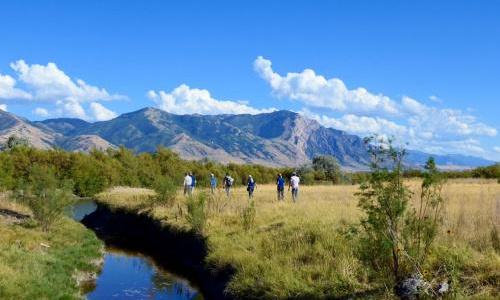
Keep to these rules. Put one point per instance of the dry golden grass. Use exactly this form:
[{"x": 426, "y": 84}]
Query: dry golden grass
[
  {"x": 472, "y": 207},
  {"x": 125, "y": 197},
  {"x": 5, "y": 203},
  {"x": 294, "y": 249}
]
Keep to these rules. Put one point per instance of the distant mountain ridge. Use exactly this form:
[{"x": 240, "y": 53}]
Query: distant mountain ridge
[{"x": 280, "y": 138}]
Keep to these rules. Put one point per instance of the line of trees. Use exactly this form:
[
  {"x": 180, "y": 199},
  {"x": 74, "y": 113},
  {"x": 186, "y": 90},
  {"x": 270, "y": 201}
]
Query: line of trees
[
  {"x": 91, "y": 173},
  {"x": 487, "y": 172}
]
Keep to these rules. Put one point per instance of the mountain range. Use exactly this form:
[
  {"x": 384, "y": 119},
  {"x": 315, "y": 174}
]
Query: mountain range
[{"x": 280, "y": 138}]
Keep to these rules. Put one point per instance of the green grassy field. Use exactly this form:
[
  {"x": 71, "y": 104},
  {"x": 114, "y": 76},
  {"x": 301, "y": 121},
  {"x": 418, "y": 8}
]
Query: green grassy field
[
  {"x": 45, "y": 265},
  {"x": 294, "y": 250}
]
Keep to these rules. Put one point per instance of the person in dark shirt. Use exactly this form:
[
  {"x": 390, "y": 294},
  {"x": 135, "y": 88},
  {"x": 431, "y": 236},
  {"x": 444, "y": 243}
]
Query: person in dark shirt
[
  {"x": 227, "y": 183},
  {"x": 251, "y": 185},
  {"x": 193, "y": 182},
  {"x": 280, "y": 183}
]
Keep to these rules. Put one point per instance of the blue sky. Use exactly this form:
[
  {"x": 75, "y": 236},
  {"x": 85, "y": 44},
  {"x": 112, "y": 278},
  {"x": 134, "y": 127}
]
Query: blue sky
[{"x": 425, "y": 71}]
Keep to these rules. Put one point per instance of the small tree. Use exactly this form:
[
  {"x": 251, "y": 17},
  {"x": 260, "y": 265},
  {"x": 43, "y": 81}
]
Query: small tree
[
  {"x": 384, "y": 198},
  {"x": 396, "y": 236},
  {"x": 327, "y": 165},
  {"x": 43, "y": 194},
  {"x": 165, "y": 190}
]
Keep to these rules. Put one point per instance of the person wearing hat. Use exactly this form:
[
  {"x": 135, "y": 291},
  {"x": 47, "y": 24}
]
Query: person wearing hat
[
  {"x": 294, "y": 184},
  {"x": 213, "y": 183},
  {"x": 251, "y": 185}
]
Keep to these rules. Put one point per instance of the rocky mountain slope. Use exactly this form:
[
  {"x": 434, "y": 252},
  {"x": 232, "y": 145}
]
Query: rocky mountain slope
[
  {"x": 13, "y": 125},
  {"x": 280, "y": 138}
]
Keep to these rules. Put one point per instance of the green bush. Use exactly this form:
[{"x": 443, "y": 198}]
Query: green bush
[
  {"x": 197, "y": 216},
  {"x": 165, "y": 190},
  {"x": 395, "y": 238},
  {"x": 42, "y": 194},
  {"x": 327, "y": 168},
  {"x": 421, "y": 223}
]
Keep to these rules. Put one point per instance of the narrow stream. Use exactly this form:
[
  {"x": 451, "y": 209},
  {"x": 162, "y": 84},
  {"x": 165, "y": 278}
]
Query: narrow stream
[{"x": 128, "y": 275}]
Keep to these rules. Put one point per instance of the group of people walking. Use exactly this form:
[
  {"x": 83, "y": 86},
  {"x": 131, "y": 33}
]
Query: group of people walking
[
  {"x": 189, "y": 183},
  {"x": 293, "y": 185},
  {"x": 228, "y": 181}
]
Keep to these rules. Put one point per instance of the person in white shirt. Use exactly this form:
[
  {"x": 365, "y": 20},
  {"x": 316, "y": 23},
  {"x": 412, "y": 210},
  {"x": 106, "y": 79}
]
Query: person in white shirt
[
  {"x": 188, "y": 181},
  {"x": 294, "y": 184}
]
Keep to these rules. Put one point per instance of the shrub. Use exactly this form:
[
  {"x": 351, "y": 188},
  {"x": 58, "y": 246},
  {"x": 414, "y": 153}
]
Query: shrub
[
  {"x": 395, "y": 238},
  {"x": 196, "y": 215},
  {"x": 44, "y": 197},
  {"x": 328, "y": 166},
  {"x": 165, "y": 190},
  {"x": 421, "y": 224}
]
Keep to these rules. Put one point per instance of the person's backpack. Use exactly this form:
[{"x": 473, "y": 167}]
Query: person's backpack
[{"x": 230, "y": 181}]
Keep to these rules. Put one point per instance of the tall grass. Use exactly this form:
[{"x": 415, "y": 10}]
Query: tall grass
[
  {"x": 293, "y": 250},
  {"x": 196, "y": 212}
]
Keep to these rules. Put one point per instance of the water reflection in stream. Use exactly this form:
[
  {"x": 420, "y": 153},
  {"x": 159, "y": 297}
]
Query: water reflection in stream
[
  {"x": 133, "y": 276},
  {"x": 127, "y": 275}
]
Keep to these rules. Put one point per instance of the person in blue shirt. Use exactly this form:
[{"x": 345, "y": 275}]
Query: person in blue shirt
[
  {"x": 280, "y": 183},
  {"x": 251, "y": 185},
  {"x": 193, "y": 182},
  {"x": 213, "y": 183}
]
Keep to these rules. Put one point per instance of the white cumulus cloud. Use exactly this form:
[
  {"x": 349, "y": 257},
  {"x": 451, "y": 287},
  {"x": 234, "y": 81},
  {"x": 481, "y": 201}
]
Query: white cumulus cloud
[
  {"x": 41, "y": 112},
  {"x": 186, "y": 100},
  {"x": 8, "y": 89},
  {"x": 52, "y": 84},
  {"x": 3, "y": 107},
  {"x": 412, "y": 106},
  {"x": 317, "y": 91},
  {"x": 463, "y": 146},
  {"x": 446, "y": 122},
  {"x": 425, "y": 127},
  {"x": 101, "y": 113},
  {"x": 435, "y": 98},
  {"x": 47, "y": 84},
  {"x": 358, "y": 124}
]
